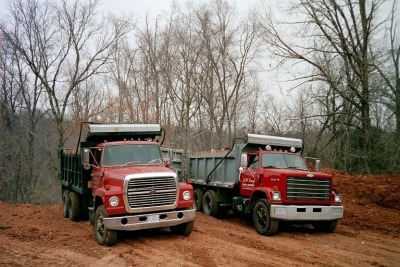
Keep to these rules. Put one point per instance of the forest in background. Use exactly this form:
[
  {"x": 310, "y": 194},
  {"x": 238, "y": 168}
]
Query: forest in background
[{"x": 201, "y": 72}]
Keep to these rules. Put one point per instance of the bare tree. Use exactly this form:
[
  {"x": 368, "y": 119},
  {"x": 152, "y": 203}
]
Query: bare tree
[
  {"x": 87, "y": 101},
  {"x": 22, "y": 94},
  {"x": 276, "y": 117},
  {"x": 124, "y": 72},
  {"x": 335, "y": 33},
  {"x": 149, "y": 90},
  {"x": 229, "y": 48},
  {"x": 389, "y": 69},
  {"x": 63, "y": 45},
  {"x": 183, "y": 76},
  {"x": 254, "y": 112}
]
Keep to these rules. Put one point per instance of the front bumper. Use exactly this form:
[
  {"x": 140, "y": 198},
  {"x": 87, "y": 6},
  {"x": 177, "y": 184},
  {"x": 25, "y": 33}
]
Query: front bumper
[
  {"x": 306, "y": 213},
  {"x": 148, "y": 221}
]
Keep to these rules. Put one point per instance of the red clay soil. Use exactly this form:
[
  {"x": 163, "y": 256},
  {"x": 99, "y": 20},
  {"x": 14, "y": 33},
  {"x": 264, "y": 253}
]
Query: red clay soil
[{"x": 368, "y": 235}]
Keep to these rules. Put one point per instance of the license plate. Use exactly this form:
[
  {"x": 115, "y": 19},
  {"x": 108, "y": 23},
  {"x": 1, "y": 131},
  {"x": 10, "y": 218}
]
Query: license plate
[{"x": 153, "y": 218}]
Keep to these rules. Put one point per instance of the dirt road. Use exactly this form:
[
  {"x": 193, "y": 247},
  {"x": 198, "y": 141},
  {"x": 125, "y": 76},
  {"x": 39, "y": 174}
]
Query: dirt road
[{"x": 33, "y": 235}]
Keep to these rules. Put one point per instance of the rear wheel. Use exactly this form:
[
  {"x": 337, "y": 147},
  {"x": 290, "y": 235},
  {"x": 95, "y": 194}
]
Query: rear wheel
[
  {"x": 198, "y": 198},
  {"x": 326, "y": 226},
  {"x": 104, "y": 236},
  {"x": 65, "y": 199},
  {"x": 74, "y": 206},
  {"x": 184, "y": 229},
  {"x": 210, "y": 204},
  {"x": 261, "y": 219}
]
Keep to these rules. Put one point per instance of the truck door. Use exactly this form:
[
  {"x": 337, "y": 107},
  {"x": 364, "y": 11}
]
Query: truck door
[
  {"x": 97, "y": 170},
  {"x": 249, "y": 176}
]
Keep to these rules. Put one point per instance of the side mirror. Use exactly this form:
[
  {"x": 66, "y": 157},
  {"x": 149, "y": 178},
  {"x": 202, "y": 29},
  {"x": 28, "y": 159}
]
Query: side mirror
[
  {"x": 85, "y": 160},
  {"x": 167, "y": 162},
  {"x": 243, "y": 160}
]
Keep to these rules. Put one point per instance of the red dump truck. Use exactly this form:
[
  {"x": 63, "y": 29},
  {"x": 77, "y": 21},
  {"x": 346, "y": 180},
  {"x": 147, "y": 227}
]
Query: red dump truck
[
  {"x": 267, "y": 178},
  {"x": 117, "y": 179}
]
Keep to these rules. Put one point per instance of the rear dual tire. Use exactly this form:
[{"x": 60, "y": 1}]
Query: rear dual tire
[
  {"x": 210, "y": 204},
  {"x": 198, "y": 198},
  {"x": 72, "y": 205},
  {"x": 65, "y": 199}
]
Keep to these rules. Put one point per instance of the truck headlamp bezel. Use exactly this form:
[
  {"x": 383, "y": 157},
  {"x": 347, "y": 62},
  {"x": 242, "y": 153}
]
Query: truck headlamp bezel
[
  {"x": 186, "y": 195},
  {"x": 338, "y": 198},
  {"x": 113, "y": 201},
  {"x": 276, "y": 196}
]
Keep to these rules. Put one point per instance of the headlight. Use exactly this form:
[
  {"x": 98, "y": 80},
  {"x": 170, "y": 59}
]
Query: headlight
[
  {"x": 186, "y": 195},
  {"x": 276, "y": 195},
  {"x": 114, "y": 201},
  {"x": 338, "y": 198}
]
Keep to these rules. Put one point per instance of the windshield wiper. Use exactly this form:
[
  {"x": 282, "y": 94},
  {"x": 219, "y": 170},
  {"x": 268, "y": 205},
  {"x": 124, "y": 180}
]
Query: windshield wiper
[
  {"x": 272, "y": 166},
  {"x": 130, "y": 163},
  {"x": 269, "y": 166},
  {"x": 154, "y": 160},
  {"x": 297, "y": 168}
]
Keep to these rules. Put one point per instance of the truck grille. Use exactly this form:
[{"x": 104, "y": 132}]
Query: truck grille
[
  {"x": 308, "y": 189},
  {"x": 151, "y": 191}
]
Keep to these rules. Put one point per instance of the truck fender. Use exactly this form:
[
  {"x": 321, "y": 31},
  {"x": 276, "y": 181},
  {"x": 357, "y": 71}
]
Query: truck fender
[
  {"x": 185, "y": 203},
  {"x": 100, "y": 194},
  {"x": 260, "y": 193},
  {"x": 98, "y": 200}
]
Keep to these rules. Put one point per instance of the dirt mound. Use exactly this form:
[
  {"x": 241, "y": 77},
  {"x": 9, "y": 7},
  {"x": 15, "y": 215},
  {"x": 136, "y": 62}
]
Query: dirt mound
[{"x": 371, "y": 201}]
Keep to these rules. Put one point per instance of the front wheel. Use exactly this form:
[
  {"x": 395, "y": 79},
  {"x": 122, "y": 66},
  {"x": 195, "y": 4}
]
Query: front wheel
[
  {"x": 184, "y": 229},
  {"x": 104, "y": 236},
  {"x": 261, "y": 219}
]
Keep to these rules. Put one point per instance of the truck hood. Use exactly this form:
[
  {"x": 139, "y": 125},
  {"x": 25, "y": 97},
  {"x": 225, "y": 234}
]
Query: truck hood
[
  {"x": 296, "y": 173},
  {"x": 122, "y": 172}
]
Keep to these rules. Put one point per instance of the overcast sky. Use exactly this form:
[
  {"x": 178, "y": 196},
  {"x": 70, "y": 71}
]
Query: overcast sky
[
  {"x": 153, "y": 8},
  {"x": 157, "y": 7}
]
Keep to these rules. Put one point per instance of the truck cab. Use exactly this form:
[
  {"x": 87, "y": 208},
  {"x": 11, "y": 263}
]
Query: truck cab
[
  {"x": 123, "y": 184},
  {"x": 267, "y": 177},
  {"x": 265, "y": 168}
]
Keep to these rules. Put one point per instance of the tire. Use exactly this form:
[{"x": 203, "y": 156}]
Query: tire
[
  {"x": 104, "y": 236},
  {"x": 74, "y": 207},
  {"x": 326, "y": 226},
  {"x": 65, "y": 199},
  {"x": 198, "y": 198},
  {"x": 210, "y": 204},
  {"x": 184, "y": 229},
  {"x": 262, "y": 220}
]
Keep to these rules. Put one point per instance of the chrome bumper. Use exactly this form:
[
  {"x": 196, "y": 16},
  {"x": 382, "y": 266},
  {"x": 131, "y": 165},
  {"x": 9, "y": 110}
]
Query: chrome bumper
[
  {"x": 306, "y": 213},
  {"x": 148, "y": 221}
]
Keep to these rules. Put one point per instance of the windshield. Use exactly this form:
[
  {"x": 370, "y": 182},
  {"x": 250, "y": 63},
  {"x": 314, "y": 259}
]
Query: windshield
[
  {"x": 123, "y": 155},
  {"x": 285, "y": 161}
]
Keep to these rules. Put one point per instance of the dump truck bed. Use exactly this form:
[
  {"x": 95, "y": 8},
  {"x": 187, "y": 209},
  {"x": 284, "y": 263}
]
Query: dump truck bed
[
  {"x": 216, "y": 168},
  {"x": 72, "y": 174}
]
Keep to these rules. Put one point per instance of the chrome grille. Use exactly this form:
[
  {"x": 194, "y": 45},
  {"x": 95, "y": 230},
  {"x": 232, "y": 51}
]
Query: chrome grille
[
  {"x": 300, "y": 188},
  {"x": 151, "y": 191}
]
